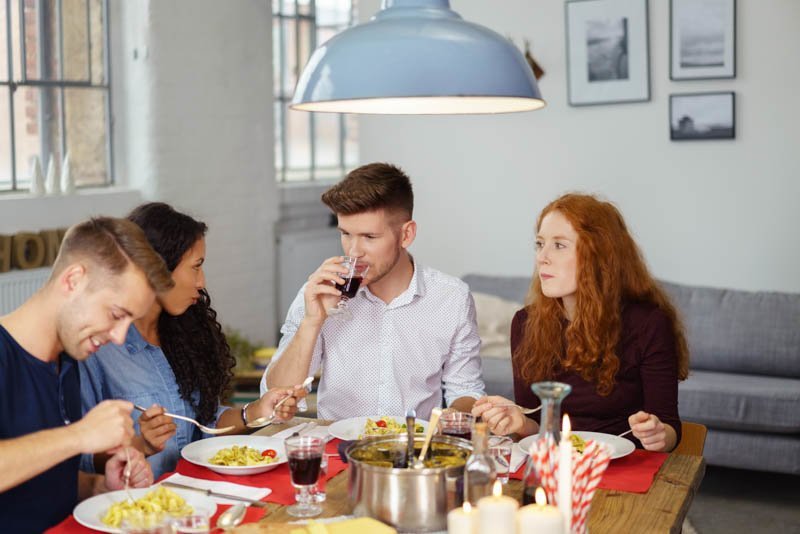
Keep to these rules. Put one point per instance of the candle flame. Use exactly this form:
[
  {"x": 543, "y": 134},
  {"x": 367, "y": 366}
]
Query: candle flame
[
  {"x": 497, "y": 490},
  {"x": 565, "y": 426},
  {"x": 467, "y": 507},
  {"x": 541, "y": 498}
]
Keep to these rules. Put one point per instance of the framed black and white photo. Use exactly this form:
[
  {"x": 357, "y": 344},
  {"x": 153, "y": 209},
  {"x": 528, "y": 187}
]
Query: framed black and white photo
[
  {"x": 607, "y": 51},
  {"x": 702, "y": 39},
  {"x": 702, "y": 116}
]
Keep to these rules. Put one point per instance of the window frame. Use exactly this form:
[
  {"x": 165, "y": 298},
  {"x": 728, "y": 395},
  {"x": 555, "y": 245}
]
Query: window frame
[{"x": 57, "y": 83}]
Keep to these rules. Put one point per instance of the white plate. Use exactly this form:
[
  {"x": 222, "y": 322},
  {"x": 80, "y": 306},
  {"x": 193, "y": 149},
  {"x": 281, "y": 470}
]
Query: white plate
[
  {"x": 199, "y": 452},
  {"x": 349, "y": 429},
  {"x": 618, "y": 446},
  {"x": 89, "y": 512}
]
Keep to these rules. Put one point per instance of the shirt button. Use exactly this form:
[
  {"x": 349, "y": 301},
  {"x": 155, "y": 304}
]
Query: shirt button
[{"x": 130, "y": 347}]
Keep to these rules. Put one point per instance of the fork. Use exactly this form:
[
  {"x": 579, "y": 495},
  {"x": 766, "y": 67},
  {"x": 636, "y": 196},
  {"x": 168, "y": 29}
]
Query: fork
[
  {"x": 526, "y": 411},
  {"x": 126, "y": 475},
  {"x": 206, "y": 429},
  {"x": 266, "y": 421}
]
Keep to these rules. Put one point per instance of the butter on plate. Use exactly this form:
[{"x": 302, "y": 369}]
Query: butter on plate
[{"x": 361, "y": 525}]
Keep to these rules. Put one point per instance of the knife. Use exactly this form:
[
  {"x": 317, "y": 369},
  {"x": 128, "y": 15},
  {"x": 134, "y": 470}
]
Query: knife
[{"x": 210, "y": 493}]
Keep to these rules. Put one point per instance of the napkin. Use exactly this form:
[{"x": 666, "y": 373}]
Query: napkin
[
  {"x": 248, "y": 492},
  {"x": 517, "y": 459},
  {"x": 283, "y": 434}
]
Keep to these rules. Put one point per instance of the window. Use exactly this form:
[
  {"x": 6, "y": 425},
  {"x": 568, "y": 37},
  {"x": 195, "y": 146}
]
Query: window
[
  {"x": 308, "y": 146},
  {"x": 54, "y": 90}
]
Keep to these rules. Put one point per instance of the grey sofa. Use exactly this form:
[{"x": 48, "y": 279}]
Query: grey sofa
[{"x": 744, "y": 383}]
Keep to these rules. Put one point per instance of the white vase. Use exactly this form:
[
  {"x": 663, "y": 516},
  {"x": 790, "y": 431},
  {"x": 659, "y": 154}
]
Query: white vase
[
  {"x": 67, "y": 181},
  {"x": 51, "y": 185},
  {"x": 37, "y": 176}
]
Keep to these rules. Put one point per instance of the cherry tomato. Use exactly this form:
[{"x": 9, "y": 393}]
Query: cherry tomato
[
  {"x": 381, "y": 424},
  {"x": 270, "y": 452}
]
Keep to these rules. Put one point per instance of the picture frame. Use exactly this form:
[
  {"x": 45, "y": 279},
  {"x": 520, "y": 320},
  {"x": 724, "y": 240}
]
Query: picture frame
[
  {"x": 608, "y": 51},
  {"x": 702, "y": 116},
  {"x": 702, "y": 39}
]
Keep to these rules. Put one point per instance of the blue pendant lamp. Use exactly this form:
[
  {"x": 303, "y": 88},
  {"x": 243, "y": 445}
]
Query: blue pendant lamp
[{"x": 417, "y": 57}]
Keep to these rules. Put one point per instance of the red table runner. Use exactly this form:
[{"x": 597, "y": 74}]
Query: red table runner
[
  {"x": 633, "y": 473},
  {"x": 278, "y": 480}
]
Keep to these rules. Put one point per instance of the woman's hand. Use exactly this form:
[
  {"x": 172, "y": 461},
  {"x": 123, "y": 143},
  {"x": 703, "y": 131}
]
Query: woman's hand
[
  {"x": 502, "y": 416},
  {"x": 156, "y": 428},
  {"x": 141, "y": 476},
  {"x": 264, "y": 406},
  {"x": 651, "y": 432}
]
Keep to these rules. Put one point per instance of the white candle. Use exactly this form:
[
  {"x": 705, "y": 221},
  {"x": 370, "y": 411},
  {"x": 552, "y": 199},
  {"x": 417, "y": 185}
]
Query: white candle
[
  {"x": 462, "y": 520},
  {"x": 541, "y": 517},
  {"x": 565, "y": 474},
  {"x": 497, "y": 513}
]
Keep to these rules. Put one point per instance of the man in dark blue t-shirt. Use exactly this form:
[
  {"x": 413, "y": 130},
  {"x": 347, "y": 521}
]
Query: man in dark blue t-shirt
[{"x": 105, "y": 276}]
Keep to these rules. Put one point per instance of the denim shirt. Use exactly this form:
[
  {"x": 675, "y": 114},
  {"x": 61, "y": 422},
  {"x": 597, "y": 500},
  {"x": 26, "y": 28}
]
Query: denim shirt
[{"x": 140, "y": 373}]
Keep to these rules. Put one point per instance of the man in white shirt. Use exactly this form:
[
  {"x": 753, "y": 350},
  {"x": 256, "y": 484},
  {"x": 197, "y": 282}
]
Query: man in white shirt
[{"x": 412, "y": 335}]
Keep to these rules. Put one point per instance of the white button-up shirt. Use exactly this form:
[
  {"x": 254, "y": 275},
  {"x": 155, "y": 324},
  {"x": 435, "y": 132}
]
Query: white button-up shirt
[{"x": 391, "y": 357}]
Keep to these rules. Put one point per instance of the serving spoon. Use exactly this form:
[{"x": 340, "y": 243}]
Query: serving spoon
[
  {"x": 266, "y": 421},
  {"x": 419, "y": 463},
  {"x": 231, "y": 517}
]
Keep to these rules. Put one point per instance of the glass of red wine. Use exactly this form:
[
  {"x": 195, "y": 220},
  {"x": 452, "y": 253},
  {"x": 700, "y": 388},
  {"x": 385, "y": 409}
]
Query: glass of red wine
[
  {"x": 457, "y": 424},
  {"x": 305, "y": 460},
  {"x": 357, "y": 270}
]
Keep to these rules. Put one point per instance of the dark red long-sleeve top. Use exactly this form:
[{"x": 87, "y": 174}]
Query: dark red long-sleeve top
[{"x": 647, "y": 379}]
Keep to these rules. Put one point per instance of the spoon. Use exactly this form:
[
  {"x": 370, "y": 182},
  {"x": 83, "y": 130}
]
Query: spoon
[
  {"x": 435, "y": 414},
  {"x": 411, "y": 415},
  {"x": 231, "y": 517},
  {"x": 265, "y": 421}
]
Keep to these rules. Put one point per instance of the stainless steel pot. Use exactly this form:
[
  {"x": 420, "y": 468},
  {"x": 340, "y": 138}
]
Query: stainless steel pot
[{"x": 408, "y": 499}]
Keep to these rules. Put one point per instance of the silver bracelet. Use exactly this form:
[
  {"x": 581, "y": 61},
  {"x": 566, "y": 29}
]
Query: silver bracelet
[{"x": 244, "y": 414}]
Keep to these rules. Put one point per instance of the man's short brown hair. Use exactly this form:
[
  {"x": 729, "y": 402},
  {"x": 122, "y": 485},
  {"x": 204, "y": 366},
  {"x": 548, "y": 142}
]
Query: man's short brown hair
[
  {"x": 372, "y": 187},
  {"x": 113, "y": 244}
]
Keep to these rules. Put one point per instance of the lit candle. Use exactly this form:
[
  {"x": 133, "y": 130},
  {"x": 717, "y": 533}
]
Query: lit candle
[
  {"x": 541, "y": 517},
  {"x": 497, "y": 513},
  {"x": 565, "y": 474},
  {"x": 462, "y": 520}
]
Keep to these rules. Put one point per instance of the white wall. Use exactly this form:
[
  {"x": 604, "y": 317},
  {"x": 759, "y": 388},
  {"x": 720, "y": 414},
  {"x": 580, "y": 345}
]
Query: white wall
[{"x": 717, "y": 213}]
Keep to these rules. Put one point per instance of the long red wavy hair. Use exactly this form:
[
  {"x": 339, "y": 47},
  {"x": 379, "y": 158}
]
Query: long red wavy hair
[{"x": 610, "y": 271}]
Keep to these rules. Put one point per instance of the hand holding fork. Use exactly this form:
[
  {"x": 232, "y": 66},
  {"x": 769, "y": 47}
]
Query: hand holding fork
[{"x": 266, "y": 421}]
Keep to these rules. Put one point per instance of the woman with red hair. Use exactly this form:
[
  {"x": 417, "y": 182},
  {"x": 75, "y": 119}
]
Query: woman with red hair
[{"x": 597, "y": 320}]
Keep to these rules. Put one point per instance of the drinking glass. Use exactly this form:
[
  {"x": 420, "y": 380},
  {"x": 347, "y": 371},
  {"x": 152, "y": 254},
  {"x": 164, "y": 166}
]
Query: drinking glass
[
  {"x": 318, "y": 492},
  {"x": 305, "y": 460},
  {"x": 199, "y": 521},
  {"x": 141, "y": 522},
  {"x": 500, "y": 450},
  {"x": 457, "y": 424},
  {"x": 357, "y": 270}
]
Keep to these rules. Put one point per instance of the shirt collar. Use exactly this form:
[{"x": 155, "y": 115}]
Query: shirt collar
[
  {"x": 416, "y": 287},
  {"x": 134, "y": 342}
]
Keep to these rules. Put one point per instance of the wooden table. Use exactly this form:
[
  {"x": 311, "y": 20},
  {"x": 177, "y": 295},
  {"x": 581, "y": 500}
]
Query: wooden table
[{"x": 662, "y": 509}]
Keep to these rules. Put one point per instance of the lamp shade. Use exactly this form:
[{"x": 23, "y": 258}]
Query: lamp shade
[{"x": 417, "y": 57}]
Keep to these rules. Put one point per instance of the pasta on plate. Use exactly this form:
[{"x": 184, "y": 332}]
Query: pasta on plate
[
  {"x": 155, "y": 503},
  {"x": 242, "y": 455}
]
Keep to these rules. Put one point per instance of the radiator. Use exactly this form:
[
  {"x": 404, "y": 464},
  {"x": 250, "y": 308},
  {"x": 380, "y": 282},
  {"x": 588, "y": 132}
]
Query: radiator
[{"x": 17, "y": 286}]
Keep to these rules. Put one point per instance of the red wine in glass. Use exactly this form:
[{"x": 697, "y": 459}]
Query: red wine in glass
[
  {"x": 304, "y": 467},
  {"x": 350, "y": 286},
  {"x": 464, "y": 433}
]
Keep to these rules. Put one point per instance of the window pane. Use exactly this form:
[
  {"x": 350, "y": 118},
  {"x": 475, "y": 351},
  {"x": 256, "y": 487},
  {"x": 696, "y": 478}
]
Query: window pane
[
  {"x": 278, "y": 107},
  {"x": 303, "y": 7},
  {"x": 98, "y": 44},
  {"x": 3, "y": 46},
  {"x": 86, "y": 135},
  {"x": 289, "y": 63},
  {"x": 333, "y": 13},
  {"x": 286, "y": 7},
  {"x": 37, "y": 130},
  {"x": 277, "y": 57},
  {"x": 75, "y": 35},
  {"x": 5, "y": 141},
  {"x": 327, "y": 140},
  {"x": 15, "y": 41},
  {"x": 298, "y": 139}
]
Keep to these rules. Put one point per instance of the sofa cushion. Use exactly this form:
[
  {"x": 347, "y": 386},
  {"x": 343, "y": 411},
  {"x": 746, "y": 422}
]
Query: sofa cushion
[
  {"x": 512, "y": 288},
  {"x": 494, "y": 323},
  {"x": 740, "y": 331},
  {"x": 749, "y": 450},
  {"x": 741, "y": 402}
]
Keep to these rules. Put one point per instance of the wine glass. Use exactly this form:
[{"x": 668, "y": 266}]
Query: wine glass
[
  {"x": 356, "y": 271},
  {"x": 305, "y": 459}
]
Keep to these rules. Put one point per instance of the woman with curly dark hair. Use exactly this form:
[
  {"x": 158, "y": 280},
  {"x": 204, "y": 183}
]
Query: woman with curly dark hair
[
  {"x": 176, "y": 357},
  {"x": 598, "y": 321}
]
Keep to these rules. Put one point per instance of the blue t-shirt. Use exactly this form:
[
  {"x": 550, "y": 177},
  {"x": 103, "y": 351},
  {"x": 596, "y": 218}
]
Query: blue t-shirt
[
  {"x": 34, "y": 396},
  {"x": 140, "y": 373}
]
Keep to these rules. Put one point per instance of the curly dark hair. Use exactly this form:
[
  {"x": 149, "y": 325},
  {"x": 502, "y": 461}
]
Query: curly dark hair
[{"x": 193, "y": 342}]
